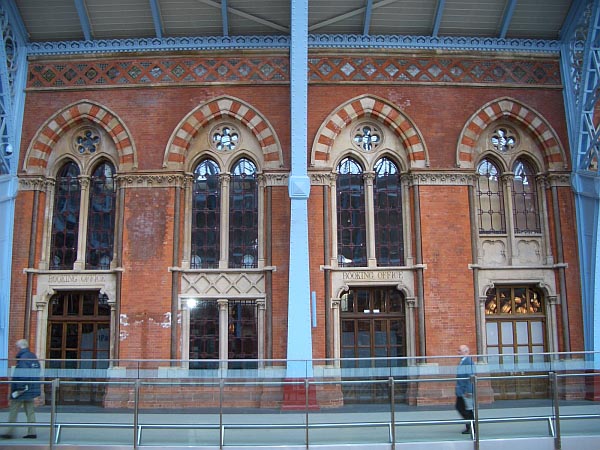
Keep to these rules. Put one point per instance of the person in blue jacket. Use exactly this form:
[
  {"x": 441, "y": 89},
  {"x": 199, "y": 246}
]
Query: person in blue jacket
[
  {"x": 464, "y": 387},
  {"x": 22, "y": 391}
]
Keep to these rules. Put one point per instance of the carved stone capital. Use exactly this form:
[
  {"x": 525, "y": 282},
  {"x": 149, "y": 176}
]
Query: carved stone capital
[
  {"x": 151, "y": 180},
  {"x": 443, "y": 178},
  {"x": 36, "y": 183}
]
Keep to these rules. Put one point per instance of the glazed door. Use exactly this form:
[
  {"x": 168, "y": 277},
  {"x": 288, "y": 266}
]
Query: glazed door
[
  {"x": 373, "y": 335},
  {"x": 78, "y": 338}
]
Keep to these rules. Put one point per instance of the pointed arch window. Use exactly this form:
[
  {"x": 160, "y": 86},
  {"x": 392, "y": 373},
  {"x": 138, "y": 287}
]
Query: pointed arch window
[
  {"x": 243, "y": 215},
  {"x": 206, "y": 211},
  {"x": 389, "y": 243},
  {"x": 490, "y": 200},
  {"x": 65, "y": 218},
  {"x": 525, "y": 202},
  {"x": 352, "y": 248},
  {"x": 101, "y": 218}
]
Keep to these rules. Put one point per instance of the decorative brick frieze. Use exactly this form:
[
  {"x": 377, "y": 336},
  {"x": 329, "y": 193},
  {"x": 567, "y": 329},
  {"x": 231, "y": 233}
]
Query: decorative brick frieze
[
  {"x": 433, "y": 69},
  {"x": 269, "y": 69}
]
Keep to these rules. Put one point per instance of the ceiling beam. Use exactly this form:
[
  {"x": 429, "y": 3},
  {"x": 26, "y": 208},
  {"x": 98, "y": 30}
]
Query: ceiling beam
[
  {"x": 439, "y": 13},
  {"x": 508, "y": 15},
  {"x": 345, "y": 16},
  {"x": 84, "y": 19},
  {"x": 368, "y": 12},
  {"x": 244, "y": 15},
  {"x": 224, "y": 18},
  {"x": 156, "y": 18}
]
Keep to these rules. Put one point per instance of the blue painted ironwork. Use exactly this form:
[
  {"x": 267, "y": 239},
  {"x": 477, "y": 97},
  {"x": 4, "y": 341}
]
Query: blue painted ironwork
[
  {"x": 84, "y": 19},
  {"x": 439, "y": 13},
  {"x": 156, "y": 18},
  {"x": 283, "y": 42},
  {"x": 224, "y": 18},
  {"x": 368, "y": 13},
  {"x": 507, "y": 18},
  {"x": 13, "y": 65},
  {"x": 581, "y": 78},
  {"x": 299, "y": 340}
]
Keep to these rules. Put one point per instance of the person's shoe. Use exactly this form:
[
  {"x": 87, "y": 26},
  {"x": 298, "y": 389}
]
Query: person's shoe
[
  {"x": 30, "y": 436},
  {"x": 466, "y": 432},
  {"x": 6, "y": 436}
]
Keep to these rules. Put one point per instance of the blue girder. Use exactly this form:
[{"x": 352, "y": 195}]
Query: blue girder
[{"x": 580, "y": 62}]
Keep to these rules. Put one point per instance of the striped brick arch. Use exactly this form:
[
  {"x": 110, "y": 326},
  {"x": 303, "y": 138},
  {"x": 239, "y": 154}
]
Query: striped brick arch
[
  {"x": 38, "y": 153},
  {"x": 540, "y": 129},
  {"x": 188, "y": 128},
  {"x": 380, "y": 109}
]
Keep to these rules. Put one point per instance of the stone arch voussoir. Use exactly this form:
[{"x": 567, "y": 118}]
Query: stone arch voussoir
[
  {"x": 534, "y": 122},
  {"x": 40, "y": 148},
  {"x": 382, "y": 110},
  {"x": 181, "y": 139}
]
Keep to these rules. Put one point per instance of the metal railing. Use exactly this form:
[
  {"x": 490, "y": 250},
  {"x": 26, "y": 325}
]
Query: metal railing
[{"x": 307, "y": 417}]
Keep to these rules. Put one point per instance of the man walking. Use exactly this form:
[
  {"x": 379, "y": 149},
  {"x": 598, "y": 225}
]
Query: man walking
[
  {"x": 464, "y": 387},
  {"x": 22, "y": 391}
]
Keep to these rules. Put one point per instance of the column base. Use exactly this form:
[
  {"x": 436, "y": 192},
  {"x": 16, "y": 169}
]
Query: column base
[
  {"x": 592, "y": 386},
  {"x": 294, "y": 396}
]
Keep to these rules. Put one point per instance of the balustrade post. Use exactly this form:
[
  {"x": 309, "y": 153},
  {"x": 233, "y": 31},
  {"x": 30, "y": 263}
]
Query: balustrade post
[
  {"x": 136, "y": 410},
  {"x": 54, "y": 388},
  {"x": 393, "y": 412},
  {"x": 554, "y": 384},
  {"x": 475, "y": 425}
]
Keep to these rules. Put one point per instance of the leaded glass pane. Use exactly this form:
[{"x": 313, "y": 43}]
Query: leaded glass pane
[
  {"x": 389, "y": 240},
  {"x": 206, "y": 213},
  {"x": 204, "y": 334},
  {"x": 101, "y": 218},
  {"x": 243, "y": 215},
  {"x": 65, "y": 218},
  {"x": 352, "y": 232},
  {"x": 243, "y": 333},
  {"x": 490, "y": 206},
  {"x": 525, "y": 203}
]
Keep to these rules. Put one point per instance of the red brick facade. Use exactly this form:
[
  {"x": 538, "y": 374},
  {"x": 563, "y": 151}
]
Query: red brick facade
[{"x": 154, "y": 110}]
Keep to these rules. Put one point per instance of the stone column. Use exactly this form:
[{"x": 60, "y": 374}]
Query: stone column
[
  {"x": 368, "y": 178},
  {"x": 223, "y": 332},
  {"x": 84, "y": 207}
]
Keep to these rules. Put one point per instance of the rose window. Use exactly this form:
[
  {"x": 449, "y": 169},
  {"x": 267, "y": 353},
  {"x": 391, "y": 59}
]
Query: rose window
[
  {"x": 367, "y": 137},
  {"x": 225, "y": 138},
  {"x": 503, "y": 140}
]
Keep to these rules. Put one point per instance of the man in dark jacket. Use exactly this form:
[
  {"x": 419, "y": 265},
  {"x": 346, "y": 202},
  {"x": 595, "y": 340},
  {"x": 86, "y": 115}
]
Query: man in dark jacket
[
  {"x": 23, "y": 390},
  {"x": 464, "y": 387}
]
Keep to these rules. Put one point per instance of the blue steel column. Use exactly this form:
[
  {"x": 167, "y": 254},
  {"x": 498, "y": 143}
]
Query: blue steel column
[
  {"x": 581, "y": 77},
  {"x": 13, "y": 65},
  {"x": 299, "y": 340}
]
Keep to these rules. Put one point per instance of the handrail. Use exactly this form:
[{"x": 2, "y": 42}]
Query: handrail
[{"x": 57, "y": 425}]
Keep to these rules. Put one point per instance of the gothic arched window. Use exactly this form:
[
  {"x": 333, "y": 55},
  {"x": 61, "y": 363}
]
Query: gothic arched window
[
  {"x": 525, "y": 202},
  {"x": 243, "y": 215},
  {"x": 352, "y": 232},
  {"x": 387, "y": 193},
  {"x": 101, "y": 218},
  {"x": 490, "y": 201},
  {"x": 65, "y": 218},
  {"x": 206, "y": 211}
]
